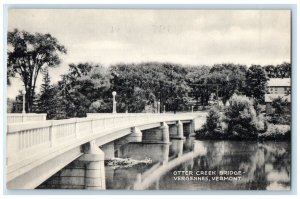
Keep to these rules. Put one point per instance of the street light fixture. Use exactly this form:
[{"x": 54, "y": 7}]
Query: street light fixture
[
  {"x": 114, "y": 93},
  {"x": 158, "y": 107}
]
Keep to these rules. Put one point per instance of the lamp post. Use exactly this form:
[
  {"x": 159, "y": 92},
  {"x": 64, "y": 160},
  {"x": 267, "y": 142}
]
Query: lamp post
[
  {"x": 114, "y": 93},
  {"x": 158, "y": 107},
  {"x": 23, "y": 93}
]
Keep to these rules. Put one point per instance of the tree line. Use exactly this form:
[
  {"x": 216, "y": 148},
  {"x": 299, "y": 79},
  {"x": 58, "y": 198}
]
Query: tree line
[{"x": 87, "y": 87}]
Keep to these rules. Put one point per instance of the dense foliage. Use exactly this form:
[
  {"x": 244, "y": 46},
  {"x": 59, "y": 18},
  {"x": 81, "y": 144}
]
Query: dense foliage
[
  {"x": 140, "y": 87},
  {"x": 256, "y": 82},
  {"x": 88, "y": 87},
  {"x": 28, "y": 55},
  {"x": 240, "y": 121},
  {"x": 243, "y": 120}
]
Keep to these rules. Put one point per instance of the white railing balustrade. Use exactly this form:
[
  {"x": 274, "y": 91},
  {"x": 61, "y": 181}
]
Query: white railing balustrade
[
  {"x": 27, "y": 139},
  {"x": 26, "y": 117}
]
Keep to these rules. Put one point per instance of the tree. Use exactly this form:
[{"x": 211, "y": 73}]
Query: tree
[
  {"x": 242, "y": 118},
  {"x": 283, "y": 70},
  {"x": 46, "y": 101},
  {"x": 196, "y": 78},
  {"x": 213, "y": 120},
  {"x": 124, "y": 80},
  {"x": 230, "y": 77},
  {"x": 82, "y": 89},
  {"x": 256, "y": 82},
  {"x": 280, "y": 71},
  {"x": 150, "y": 82},
  {"x": 28, "y": 55},
  {"x": 279, "y": 104},
  {"x": 271, "y": 71}
]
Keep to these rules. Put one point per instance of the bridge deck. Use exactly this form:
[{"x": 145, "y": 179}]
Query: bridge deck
[{"x": 30, "y": 145}]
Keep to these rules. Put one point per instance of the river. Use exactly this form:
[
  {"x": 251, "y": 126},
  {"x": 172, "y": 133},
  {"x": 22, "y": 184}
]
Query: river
[{"x": 203, "y": 165}]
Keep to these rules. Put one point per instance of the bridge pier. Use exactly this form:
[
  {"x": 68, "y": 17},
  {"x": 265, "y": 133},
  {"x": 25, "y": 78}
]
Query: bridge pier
[
  {"x": 165, "y": 132},
  {"x": 109, "y": 150},
  {"x": 70, "y": 177},
  {"x": 189, "y": 129},
  {"x": 86, "y": 172},
  {"x": 192, "y": 128},
  {"x": 176, "y": 131},
  {"x": 158, "y": 135},
  {"x": 135, "y": 136},
  {"x": 95, "y": 169}
]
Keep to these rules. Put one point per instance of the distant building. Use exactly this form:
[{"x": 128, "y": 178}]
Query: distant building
[
  {"x": 277, "y": 87},
  {"x": 17, "y": 105}
]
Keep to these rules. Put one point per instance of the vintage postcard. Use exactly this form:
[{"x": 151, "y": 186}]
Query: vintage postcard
[{"x": 145, "y": 99}]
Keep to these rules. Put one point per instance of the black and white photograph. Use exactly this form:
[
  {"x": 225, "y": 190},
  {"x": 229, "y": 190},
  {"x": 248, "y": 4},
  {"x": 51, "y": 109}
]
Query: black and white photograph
[{"x": 149, "y": 99}]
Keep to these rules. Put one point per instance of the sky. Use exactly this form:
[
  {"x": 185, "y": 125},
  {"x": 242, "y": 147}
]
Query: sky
[{"x": 193, "y": 37}]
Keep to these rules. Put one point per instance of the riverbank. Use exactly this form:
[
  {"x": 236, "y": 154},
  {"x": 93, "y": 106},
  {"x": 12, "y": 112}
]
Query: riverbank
[{"x": 273, "y": 132}]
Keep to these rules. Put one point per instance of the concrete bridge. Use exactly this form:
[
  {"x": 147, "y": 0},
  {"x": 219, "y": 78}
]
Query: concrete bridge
[{"x": 38, "y": 150}]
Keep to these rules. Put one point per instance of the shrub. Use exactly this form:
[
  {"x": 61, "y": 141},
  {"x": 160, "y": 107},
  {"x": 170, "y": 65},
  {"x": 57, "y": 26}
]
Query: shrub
[
  {"x": 276, "y": 132},
  {"x": 212, "y": 129},
  {"x": 213, "y": 120},
  {"x": 242, "y": 118},
  {"x": 280, "y": 119},
  {"x": 280, "y": 105}
]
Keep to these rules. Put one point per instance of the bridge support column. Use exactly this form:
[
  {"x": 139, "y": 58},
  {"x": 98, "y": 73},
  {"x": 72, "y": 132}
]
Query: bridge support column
[
  {"x": 176, "y": 132},
  {"x": 189, "y": 129},
  {"x": 95, "y": 170},
  {"x": 192, "y": 128},
  {"x": 135, "y": 136},
  {"x": 86, "y": 172},
  {"x": 109, "y": 150},
  {"x": 158, "y": 135},
  {"x": 70, "y": 177},
  {"x": 165, "y": 132}
]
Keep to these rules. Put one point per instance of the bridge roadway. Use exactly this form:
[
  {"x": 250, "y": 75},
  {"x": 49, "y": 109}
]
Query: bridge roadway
[{"x": 37, "y": 150}]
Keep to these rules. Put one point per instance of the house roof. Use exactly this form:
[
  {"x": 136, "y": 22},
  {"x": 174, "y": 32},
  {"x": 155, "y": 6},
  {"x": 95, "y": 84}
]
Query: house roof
[
  {"x": 279, "y": 82},
  {"x": 271, "y": 97}
]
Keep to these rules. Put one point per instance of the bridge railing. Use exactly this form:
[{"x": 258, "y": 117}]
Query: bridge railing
[
  {"x": 26, "y": 117},
  {"x": 25, "y": 140}
]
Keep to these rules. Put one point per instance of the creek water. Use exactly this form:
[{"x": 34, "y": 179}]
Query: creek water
[{"x": 203, "y": 165}]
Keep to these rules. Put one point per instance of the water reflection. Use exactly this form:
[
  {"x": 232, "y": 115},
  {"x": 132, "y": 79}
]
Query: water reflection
[{"x": 266, "y": 166}]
